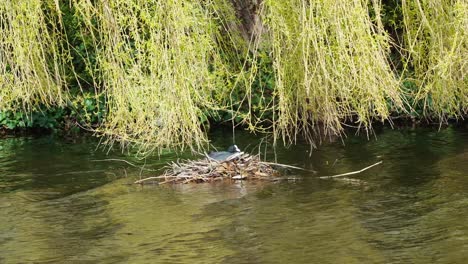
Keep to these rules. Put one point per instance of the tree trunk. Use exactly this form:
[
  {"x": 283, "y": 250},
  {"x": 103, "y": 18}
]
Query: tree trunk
[{"x": 248, "y": 11}]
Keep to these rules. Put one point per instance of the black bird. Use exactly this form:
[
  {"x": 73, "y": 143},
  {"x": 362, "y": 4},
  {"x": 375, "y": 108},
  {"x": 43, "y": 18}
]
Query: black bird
[{"x": 223, "y": 155}]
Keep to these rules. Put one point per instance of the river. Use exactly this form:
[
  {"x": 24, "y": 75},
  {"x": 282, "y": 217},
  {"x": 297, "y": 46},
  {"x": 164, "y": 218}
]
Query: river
[{"x": 60, "y": 203}]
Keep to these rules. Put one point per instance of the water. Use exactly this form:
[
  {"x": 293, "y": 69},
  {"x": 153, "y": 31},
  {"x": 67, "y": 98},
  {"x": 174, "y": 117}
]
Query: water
[{"x": 59, "y": 204}]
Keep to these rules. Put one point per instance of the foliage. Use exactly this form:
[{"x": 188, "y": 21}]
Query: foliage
[
  {"x": 436, "y": 40},
  {"x": 82, "y": 71},
  {"x": 156, "y": 74},
  {"x": 330, "y": 62},
  {"x": 251, "y": 103},
  {"x": 31, "y": 57},
  {"x": 87, "y": 110},
  {"x": 159, "y": 63}
]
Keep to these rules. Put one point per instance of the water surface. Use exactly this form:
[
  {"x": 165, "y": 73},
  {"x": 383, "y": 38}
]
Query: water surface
[{"x": 58, "y": 203}]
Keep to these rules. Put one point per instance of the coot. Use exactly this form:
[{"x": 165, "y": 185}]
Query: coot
[{"x": 223, "y": 155}]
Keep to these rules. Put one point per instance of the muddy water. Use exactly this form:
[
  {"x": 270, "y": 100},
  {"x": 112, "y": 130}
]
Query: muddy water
[{"x": 59, "y": 204}]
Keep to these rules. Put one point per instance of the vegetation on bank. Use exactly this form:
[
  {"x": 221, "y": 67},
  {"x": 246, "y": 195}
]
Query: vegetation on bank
[{"x": 157, "y": 74}]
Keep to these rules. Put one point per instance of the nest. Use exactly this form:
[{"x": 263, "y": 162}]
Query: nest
[{"x": 239, "y": 166}]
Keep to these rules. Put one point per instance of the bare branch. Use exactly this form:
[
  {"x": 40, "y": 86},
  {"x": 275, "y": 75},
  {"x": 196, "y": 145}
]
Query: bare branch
[{"x": 351, "y": 173}]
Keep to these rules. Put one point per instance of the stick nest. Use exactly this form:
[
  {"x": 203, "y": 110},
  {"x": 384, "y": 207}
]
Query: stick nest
[{"x": 240, "y": 166}]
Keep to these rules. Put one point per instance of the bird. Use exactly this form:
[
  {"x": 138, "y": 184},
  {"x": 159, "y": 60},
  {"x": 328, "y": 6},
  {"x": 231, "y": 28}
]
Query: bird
[{"x": 224, "y": 155}]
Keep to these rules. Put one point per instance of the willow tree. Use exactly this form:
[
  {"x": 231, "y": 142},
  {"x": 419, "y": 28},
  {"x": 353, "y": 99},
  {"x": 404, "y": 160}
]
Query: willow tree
[
  {"x": 32, "y": 57},
  {"x": 331, "y": 65},
  {"x": 436, "y": 40},
  {"x": 165, "y": 65},
  {"x": 159, "y": 64}
]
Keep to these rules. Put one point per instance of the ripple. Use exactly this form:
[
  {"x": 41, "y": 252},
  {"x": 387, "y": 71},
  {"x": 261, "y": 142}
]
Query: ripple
[{"x": 57, "y": 206}]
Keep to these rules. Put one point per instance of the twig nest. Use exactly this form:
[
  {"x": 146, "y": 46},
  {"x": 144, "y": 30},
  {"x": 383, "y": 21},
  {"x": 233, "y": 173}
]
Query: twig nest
[{"x": 240, "y": 166}]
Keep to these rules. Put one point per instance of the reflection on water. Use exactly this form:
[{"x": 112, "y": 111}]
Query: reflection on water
[{"x": 58, "y": 204}]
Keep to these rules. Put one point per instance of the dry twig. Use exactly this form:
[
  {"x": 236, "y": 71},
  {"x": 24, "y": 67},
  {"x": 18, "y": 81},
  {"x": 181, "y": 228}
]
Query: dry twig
[{"x": 351, "y": 173}]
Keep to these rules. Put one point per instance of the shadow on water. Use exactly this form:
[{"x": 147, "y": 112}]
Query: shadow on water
[{"x": 58, "y": 205}]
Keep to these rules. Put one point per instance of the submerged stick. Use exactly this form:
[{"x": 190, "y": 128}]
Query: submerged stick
[
  {"x": 152, "y": 178},
  {"x": 286, "y": 166},
  {"x": 351, "y": 173},
  {"x": 122, "y": 160}
]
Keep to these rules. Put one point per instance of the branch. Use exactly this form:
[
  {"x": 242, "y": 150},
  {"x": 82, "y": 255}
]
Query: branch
[
  {"x": 154, "y": 178},
  {"x": 351, "y": 173},
  {"x": 128, "y": 162},
  {"x": 286, "y": 166}
]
